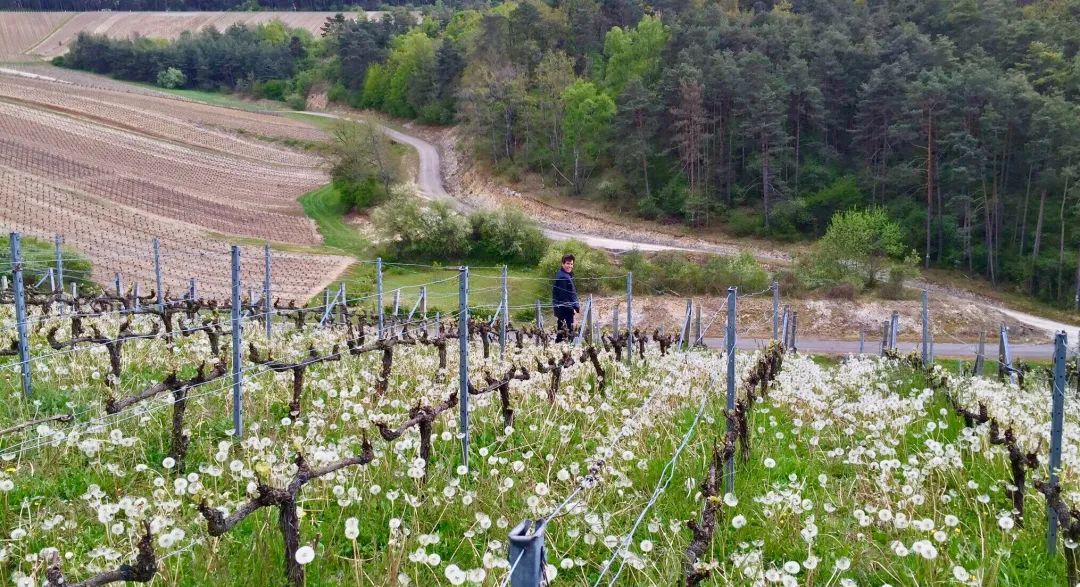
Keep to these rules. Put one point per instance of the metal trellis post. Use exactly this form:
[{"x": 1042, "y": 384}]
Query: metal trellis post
[
  {"x": 378, "y": 295},
  {"x": 926, "y": 328},
  {"x": 862, "y": 339},
  {"x": 539, "y": 316},
  {"x": 775, "y": 309},
  {"x": 505, "y": 321},
  {"x": 1057, "y": 419},
  {"x": 423, "y": 308},
  {"x": 894, "y": 329},
  {"x": 268, "y": 307},
  {"x": 794, "y": 331},
  {"x": 980, "y": 355},
  {"x": 629, "y": 317},
  {"x": 59, "y": 288},
  {"x": 1005, "y": 352},
  {"x": 119, "y": 284},
  {"x": 192, "y": 291},
  {"x": 20, "y": 311},
  {"x": 527, "y": 555},
  {"x": 697, "y": 324},
  {"x": 238, "y": 406},
  {"x": 463, "y": 361},
  {"x": 729, "y": 348},
  {"x": 157, "y": 276}
]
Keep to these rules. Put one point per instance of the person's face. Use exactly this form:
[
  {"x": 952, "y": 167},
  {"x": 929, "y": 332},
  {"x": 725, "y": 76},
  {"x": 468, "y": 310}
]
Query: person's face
[{"x": 568, "y": 266}]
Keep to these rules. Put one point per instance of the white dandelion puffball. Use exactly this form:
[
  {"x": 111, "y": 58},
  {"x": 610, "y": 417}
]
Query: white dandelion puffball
[{"x": 305, "y": 554}]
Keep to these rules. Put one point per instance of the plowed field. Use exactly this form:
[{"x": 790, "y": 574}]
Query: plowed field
[{"x": 111, "y": 170}]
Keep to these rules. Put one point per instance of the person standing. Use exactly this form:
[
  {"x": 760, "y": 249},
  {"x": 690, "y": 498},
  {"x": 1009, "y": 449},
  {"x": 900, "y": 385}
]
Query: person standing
[{"x": 564, "y": 299}]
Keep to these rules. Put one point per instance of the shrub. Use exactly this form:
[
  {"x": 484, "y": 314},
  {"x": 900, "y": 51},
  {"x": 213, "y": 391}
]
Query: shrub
[
  {"x": 273, "y": 89},
  {"x": 360, "y": 194},
  {"x": 171, "y": 78},
  {"x": 593, "y": 271},
  {"x": 742, "y": 271},
  {"x": 296, "y": 101},
  {"x": 507, "y": 235},
  {"x": 859, "y": 243},
  {"x": 411, "y": 230},
  {"x": 675, "y": 272},
  {"x": 841, "y": 291}
]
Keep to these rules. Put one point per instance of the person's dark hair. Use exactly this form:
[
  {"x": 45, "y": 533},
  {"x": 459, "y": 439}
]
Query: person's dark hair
[{"x": 566, "y": 258}]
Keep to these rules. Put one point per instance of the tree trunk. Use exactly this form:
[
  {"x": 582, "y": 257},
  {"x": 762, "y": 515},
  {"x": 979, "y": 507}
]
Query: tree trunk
[
  {"x": 798, "y": 137},
  {"x": 1023, "y": 223},
  {"x": 765, "y": 178},
  {"x": 929, "y": 182},
  {"x": 289, "y": 524},
  {"x": 940, "y": 213},
  {"x": 1039, "y": 224},
  {"x": 1076, "y": 298},
  {"x": 1061, "y": 237}
]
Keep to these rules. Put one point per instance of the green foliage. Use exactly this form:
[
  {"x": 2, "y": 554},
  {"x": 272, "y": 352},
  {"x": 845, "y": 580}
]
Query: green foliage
[
  {"x": 842, "y": 194},
  {"x": 859, "y": 243},
  {"x": 633, "y": 52},
  {"x": 593, "y": 271},
  {"x": 171, "y": 78},
  {"x": 412, "y": 230},
  {"x": 507, "y": 235},
  {"x": 585, "y": 129},
  {"x": 674, "y": 272},
  {"x": 363, "y": 166}
]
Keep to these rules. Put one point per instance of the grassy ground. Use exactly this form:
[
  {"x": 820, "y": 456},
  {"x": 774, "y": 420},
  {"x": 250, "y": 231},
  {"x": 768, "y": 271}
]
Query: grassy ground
[{"x": 805, "y": 468}]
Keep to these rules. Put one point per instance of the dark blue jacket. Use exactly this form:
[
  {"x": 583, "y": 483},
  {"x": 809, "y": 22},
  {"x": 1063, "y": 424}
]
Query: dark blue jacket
[{"x": 563, "y": 293}]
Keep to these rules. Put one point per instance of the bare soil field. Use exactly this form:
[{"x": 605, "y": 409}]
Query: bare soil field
[
  {"x": 954, "y": 320},
  {"x": 36, "y": 35},
  {"x": 111, "y": 170},
  {"x": 21, "y": 30}
]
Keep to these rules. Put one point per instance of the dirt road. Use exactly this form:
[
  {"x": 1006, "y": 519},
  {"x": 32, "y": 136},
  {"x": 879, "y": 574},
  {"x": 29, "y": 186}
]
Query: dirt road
[{"x": 431, "y": 185}]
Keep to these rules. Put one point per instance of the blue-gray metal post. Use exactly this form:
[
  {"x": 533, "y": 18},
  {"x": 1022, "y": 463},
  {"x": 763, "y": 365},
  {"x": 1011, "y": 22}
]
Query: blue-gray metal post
[
  {"x": 629, "y": 317},
  {"x": 378, "y": 295},
  {"x": 267, "y": 304},
  {"x": 20, "y": 311},
  {"x": 697, "y": 324},
  {"x": 775, "y": 309},
  {"x": 980, "y": 353},
  {"x": 59, "y": 265},
  {"x": 505, "y": 317},
  {"x": 1006, "y": 354},
  {"x": 539, "y": 316},
  {"x": 463, "y": 362},
  {"x": 119, "y": 286},
  {"x": 157, "y": 276},
  {"x": 925, "y": 328},
  {"x": 192, "y": 291},
  {"x": 729, "y": 348},
  {"x": 862, "y": 339},
  {"x": 787, "y": 317},
  {"x": 894, "y": 330},
  {"x": 423, "y": 308},
  {"x": 1057, "y": 424},
  {"x": 526, "y": 554},
  {"x": 238, "y": 405}
]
